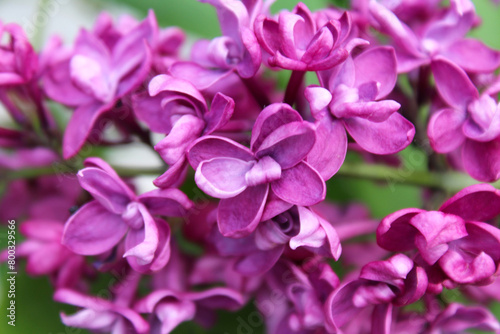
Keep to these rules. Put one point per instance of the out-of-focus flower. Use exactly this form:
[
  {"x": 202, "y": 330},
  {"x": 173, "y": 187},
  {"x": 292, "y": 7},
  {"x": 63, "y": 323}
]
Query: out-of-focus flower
[
  {"x": 444, "y": 35},
  {"x": 238, "y": 48},
  {"x": 102, "y": 315},
  {"x": 96, "y": 74}
]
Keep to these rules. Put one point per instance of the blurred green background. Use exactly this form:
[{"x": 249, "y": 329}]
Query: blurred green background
[{"x": 36, "y": 313}]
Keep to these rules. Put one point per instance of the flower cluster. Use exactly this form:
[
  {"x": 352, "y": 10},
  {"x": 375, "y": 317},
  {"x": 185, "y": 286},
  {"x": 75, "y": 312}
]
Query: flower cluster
[{"x": 239, "y": 213}]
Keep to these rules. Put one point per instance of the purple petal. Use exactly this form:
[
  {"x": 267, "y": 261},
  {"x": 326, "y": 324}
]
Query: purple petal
[
  {"x": 174, "y": 176},
  {"x": 165, "y": 83},
  {"x": 166, "y": 202},
  {"x": 445, "y": 130},
  {"x": 389, "y": 23},
  {"x": 319, "y": 99},
  {"x": 479, "y": 202},
  {"x": 93, "y": 230},
  {"x": 259, "y": 262},
  {"x": 187, "y": 129},
  {"x": 270, "y": 119},
  {"x": 274, "y": 207},
  {"x": 374, "y": 111},
  {"x": 218, "y": 298},
  {"x": 325, "y": 157},
  {"x": 90, "y": 319},
  {"x": 473, "y": 56},
  {"x": 415, "y": 287},
  {"x": 436, "y": 230},
  {"x": 453, "y": 84},
  {"x": 223, "y": 177},
  {"x": 388, "y": 137},
  {"x": 395, "y": 232},
  {"x": 464, "y": 271},
  {"x": 482, "y": 160},
  {"x": 210, "y": 147},
  {"x": 80, "y": 127},
  {"x": 239, "y": 216},
  {"x": 484, "y": 121},
  {"x": 300, "y": 185},
  {"x": 161, "y": 254},
  {"x": 339, "y": 307},
  {"x": 109, "y": 191},
  {"x": 265, "y": 170},
  {"x": 378, "y": 65},
  {"x": 391, "y": 271},
  {"x": 221, "y": 110},
  {"x": 288, "y": 144},
  {"x": 382, "y": 319},
  {"x": 149, "y": 110},
  {"x": 142, "y": 243}
]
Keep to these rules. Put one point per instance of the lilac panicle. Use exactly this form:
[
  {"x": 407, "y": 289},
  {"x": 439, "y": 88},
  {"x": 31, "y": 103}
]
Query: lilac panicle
[
  {"x": 243, "y": 177},
  {"x": 352, "y": 98},
  {"x": 116, "y": 211},
  {"x": 454, "y": 244}
]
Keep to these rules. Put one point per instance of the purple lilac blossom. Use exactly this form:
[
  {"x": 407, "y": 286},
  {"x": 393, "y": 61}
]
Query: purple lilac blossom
[
  {"x": 470, "y": 123},
  {"x": 243, "y": 178},
  {"x": 455, "y": 245}
]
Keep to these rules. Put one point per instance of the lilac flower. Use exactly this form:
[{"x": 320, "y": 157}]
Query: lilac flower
[
  {"x": 351, "y": 99},
  {"x": 19, "y": 63},
  {"x": 179, "y": 109},
  {"x": 19, "y": 90},
  {"x": 46, "y": 255},
  {"x": 471, "y": 123},
  {"x": 238, "y": 48},
  {"x": 380, "y": 285},
  {"x": 164, "y": 47},
  {"x": 295, "y": 42},
  {"x": 102, "y": 315},
  {"x": 242, "y": 177},
  {"x": 100, "y": 224},
  {"x": 454, "y": 244},
  {"x": 280, "y": 232},
  {"x": 170, "y": 308},
  {"x": 292, "y": 298},
  {"x": 444, "y": 35},
  {"x": 93, "y": 77}
]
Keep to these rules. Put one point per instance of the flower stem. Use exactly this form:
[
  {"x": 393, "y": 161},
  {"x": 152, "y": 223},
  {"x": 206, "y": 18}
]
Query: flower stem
[
  {"x": 450, "y": 181},
  {"x": 293, "y": 87}
]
